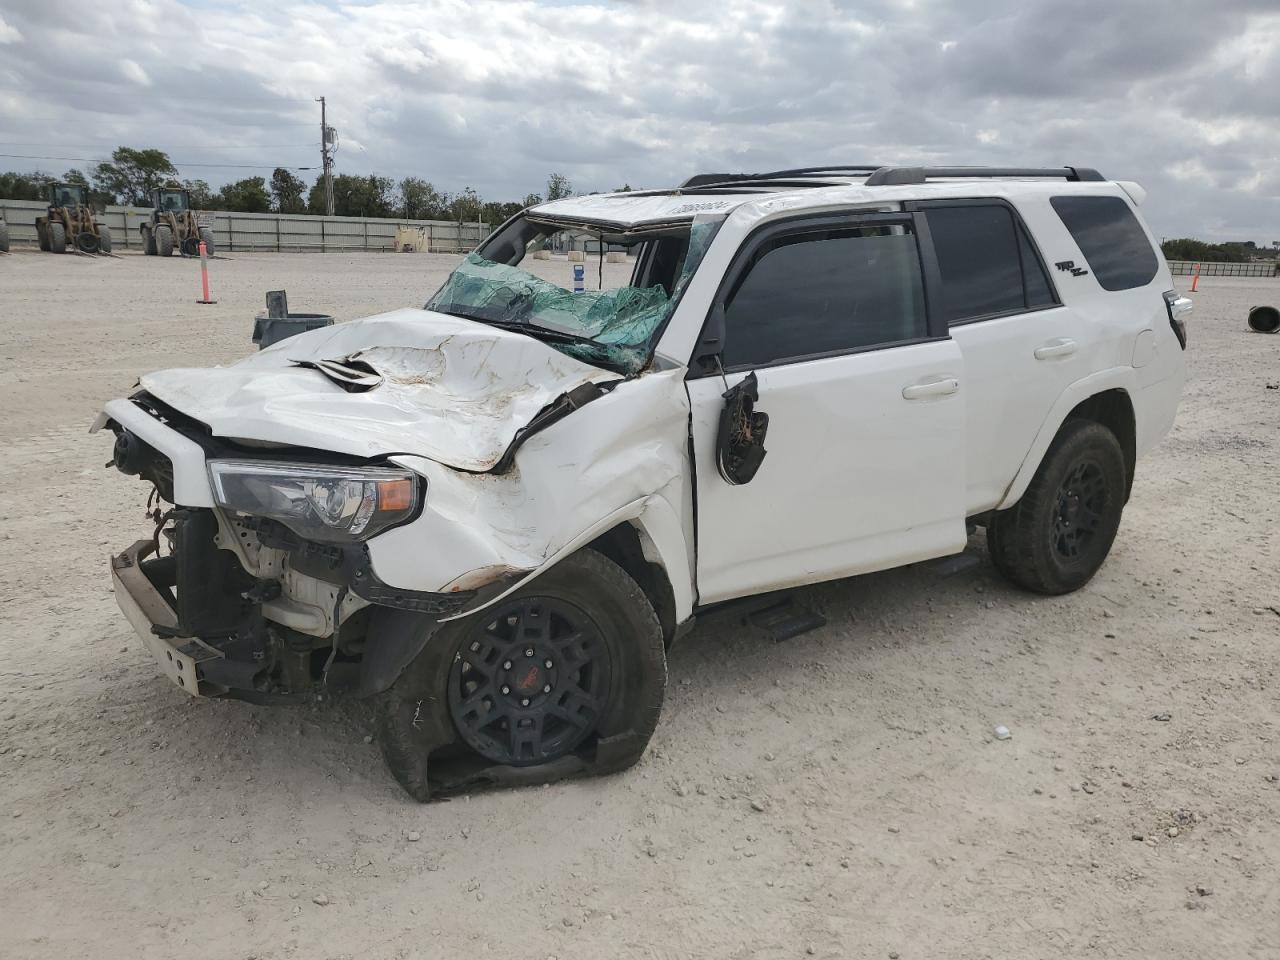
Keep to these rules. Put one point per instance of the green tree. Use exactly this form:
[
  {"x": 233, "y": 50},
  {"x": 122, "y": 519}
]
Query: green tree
[
  {"x": 286, "y": 192},
  {"x": 1186, "y": 248},
  {"x": 466, "y": 206},
  {"x": 420, "y": 200},
  {"x": 202, "y": 194},
  {"x": 558, "y": 187},
  {"x": 131, "y": 174},
  {"x": 245, "y": 196},
  {"x": 355, "y": 196},
  {"x": 25, "y": 186}
]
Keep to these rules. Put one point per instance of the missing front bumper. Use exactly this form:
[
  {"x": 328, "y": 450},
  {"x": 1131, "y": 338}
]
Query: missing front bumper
[{"x": 181, "y": 659}]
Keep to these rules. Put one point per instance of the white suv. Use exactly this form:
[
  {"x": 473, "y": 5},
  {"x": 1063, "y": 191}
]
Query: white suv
[{"x": 495, "y": 513}]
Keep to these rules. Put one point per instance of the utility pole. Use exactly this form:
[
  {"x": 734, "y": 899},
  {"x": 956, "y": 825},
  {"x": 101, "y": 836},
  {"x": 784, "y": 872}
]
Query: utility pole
[{"x": 326, "y": 159}]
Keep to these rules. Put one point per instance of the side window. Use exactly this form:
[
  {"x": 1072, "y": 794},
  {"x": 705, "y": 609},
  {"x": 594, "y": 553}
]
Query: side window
[
  {"x": 826, "y": 292},
  {"x": 1039, "y": 289},
  {"x": 987, "y": 262},
  {"x": 1111, "y": 239}
]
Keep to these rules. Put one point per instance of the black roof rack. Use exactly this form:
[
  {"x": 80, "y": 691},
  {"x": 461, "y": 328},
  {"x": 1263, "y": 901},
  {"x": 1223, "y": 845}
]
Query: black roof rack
[
  {"x": 799, "y": 173},
  {"x": 896, "y": 176}
]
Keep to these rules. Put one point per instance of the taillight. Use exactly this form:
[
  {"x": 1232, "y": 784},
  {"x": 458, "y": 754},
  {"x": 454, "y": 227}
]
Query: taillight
[{"x": 1179, "y": 308}]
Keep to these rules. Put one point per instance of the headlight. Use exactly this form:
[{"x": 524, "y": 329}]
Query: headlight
[{"x": 316, "y": 501}]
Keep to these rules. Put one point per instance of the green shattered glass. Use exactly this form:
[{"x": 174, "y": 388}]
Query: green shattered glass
[{"x": 621, "y": 323}]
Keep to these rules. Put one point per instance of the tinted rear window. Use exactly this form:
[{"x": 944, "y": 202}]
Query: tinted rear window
[
  {"x": 1111, "y": 239},
  {"x": 988, "y": 266}
]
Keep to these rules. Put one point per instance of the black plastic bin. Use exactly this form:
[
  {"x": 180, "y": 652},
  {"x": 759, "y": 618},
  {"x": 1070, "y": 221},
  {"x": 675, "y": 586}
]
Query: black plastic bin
[{"x": 269, "y": 330}]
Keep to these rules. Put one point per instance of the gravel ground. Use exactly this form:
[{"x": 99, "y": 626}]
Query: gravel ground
[{"x": 839, "y": 795}]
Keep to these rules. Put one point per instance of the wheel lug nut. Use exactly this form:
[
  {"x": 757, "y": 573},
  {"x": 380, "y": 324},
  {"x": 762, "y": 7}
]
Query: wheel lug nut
[
  {"x": 528, "y": 651},
  {"x": 505, "y": 688},
  {"x": 548, "y": 664},
  {"x": 524, "y": 702},
  {"x": 507, "y": 665},
  {"x": 547, "y": 688}
]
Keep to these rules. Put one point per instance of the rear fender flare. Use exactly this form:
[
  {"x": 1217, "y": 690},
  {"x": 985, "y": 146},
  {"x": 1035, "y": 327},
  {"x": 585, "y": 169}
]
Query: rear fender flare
[{"x": 1117, "y": 378}]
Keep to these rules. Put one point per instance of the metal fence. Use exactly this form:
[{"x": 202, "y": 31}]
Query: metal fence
[
  {"x": 1212, "y": 268},
  {"x": 287, "y": 233}
]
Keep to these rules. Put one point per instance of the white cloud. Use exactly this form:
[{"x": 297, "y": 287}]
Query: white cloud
[
  {"x": 495, "y": 94},
  {"x": 131, "y": 71},
  {"x": 9, "y": 34}
]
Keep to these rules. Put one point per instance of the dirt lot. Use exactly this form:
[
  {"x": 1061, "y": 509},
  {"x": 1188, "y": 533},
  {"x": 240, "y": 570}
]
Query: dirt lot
[{"x": 839, "y": 795}]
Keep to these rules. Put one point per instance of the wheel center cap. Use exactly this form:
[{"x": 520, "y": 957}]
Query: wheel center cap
[{"x": 527, "y": 677}]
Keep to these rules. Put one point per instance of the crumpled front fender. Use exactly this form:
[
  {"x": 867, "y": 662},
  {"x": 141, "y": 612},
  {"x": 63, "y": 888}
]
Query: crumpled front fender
[{"x": 620, "y": 458}]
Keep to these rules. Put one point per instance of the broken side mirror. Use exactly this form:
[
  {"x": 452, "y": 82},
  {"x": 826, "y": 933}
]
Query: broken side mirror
[{"x": 740, "y": 440}]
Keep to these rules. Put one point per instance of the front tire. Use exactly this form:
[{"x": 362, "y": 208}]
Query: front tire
[
  {"x": 164, "y": 241},
  {"x": 586, "y": 700},
  {"x": 206, "y": 236},
  {"x": 104, "y": 239},
  {"x": 1057, "y": 536},
  {"x": 57, "y": 238}
]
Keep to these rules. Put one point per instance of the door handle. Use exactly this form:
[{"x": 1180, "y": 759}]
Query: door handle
[
  {"x": 1061, "y": 347},
  {"x": 934, "y": 388}
]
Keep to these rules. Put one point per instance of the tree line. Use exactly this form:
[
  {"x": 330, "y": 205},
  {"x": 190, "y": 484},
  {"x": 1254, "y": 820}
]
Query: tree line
[
  {"x": 1184, "y": 248},
  {"x": 130, "y": 176}
]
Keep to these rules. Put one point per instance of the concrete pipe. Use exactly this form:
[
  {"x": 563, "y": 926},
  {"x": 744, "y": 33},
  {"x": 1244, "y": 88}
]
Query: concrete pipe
[{"x": 1264, "y": 319}]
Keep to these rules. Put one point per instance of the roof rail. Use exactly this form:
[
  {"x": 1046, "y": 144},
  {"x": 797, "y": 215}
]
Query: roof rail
[
  {"x": 708, "y": 179},
  {"x": 896, "y": 176}
]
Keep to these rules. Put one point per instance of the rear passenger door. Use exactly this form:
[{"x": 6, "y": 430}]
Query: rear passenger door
[
  {"x": 863, "y": 391},
  {"x": 1021, "y": 346}
]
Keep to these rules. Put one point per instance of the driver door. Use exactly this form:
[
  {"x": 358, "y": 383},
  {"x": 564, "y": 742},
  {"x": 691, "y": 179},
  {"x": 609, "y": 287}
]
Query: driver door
[{"x": 828, "y": 322}]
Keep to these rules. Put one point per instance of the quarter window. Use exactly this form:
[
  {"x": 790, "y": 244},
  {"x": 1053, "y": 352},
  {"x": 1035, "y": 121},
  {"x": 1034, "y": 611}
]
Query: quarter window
[
  {"x": 987, "y": 263},
  {"x": 826, "y": 292},
  {"x": 1113, "y": 242}
]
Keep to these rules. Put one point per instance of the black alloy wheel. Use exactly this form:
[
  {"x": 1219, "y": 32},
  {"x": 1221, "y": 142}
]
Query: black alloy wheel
[
  {"x": 1059, "y": 533},
  {"x": 530, "y": 682},
  {"x": 1082, "y": 503}
]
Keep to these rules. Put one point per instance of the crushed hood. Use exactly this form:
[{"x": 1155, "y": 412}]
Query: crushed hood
[{"x": 410, "y": 381}]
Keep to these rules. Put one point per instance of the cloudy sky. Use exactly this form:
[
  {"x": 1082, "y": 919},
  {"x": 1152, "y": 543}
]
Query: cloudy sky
[{"x": 1184, "y": 97}]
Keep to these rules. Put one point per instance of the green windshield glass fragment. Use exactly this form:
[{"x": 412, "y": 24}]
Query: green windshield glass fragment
[{"x": 621, "y": 322}]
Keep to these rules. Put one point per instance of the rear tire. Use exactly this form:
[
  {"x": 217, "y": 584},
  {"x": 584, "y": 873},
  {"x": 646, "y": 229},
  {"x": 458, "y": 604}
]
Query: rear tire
[
  {"x": 1057, "y": 536},
  {"x": 57, "y": 238},
  {"x": 164, "y": 241},
  {"x": 206, "y": 237},
  {"x": 104, "y": 239},
  {"x": 475, "y": 689},
  {"x": 148, "y": 242},
  {"x": 42, "y": 235},
  {"x": 4, "y": 238}
]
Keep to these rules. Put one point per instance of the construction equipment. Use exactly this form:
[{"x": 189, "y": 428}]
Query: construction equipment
[
  {"x": 173, "y": 224},
  {"x": 70, "y": 218},
  {"x": 4, "y": 235}
]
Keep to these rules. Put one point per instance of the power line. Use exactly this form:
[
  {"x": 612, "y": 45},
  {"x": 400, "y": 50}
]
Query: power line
[
  {"x": 172, "y": 146},
  {"x": 176, "y": 163}
]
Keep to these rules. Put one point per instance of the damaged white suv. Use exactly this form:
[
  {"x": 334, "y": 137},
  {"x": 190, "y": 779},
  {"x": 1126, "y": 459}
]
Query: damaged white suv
[{"x": 494, "y": 514}]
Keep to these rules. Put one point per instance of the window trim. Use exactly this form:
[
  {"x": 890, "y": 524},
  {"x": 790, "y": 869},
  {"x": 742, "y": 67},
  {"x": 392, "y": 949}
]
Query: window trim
[
  {"x": 935, "y": 324},
  {"x": 924, "y": 206}
]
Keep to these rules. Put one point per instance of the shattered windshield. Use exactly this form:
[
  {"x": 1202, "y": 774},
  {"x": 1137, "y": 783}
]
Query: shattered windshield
[{"x": 600, "y": 297}]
